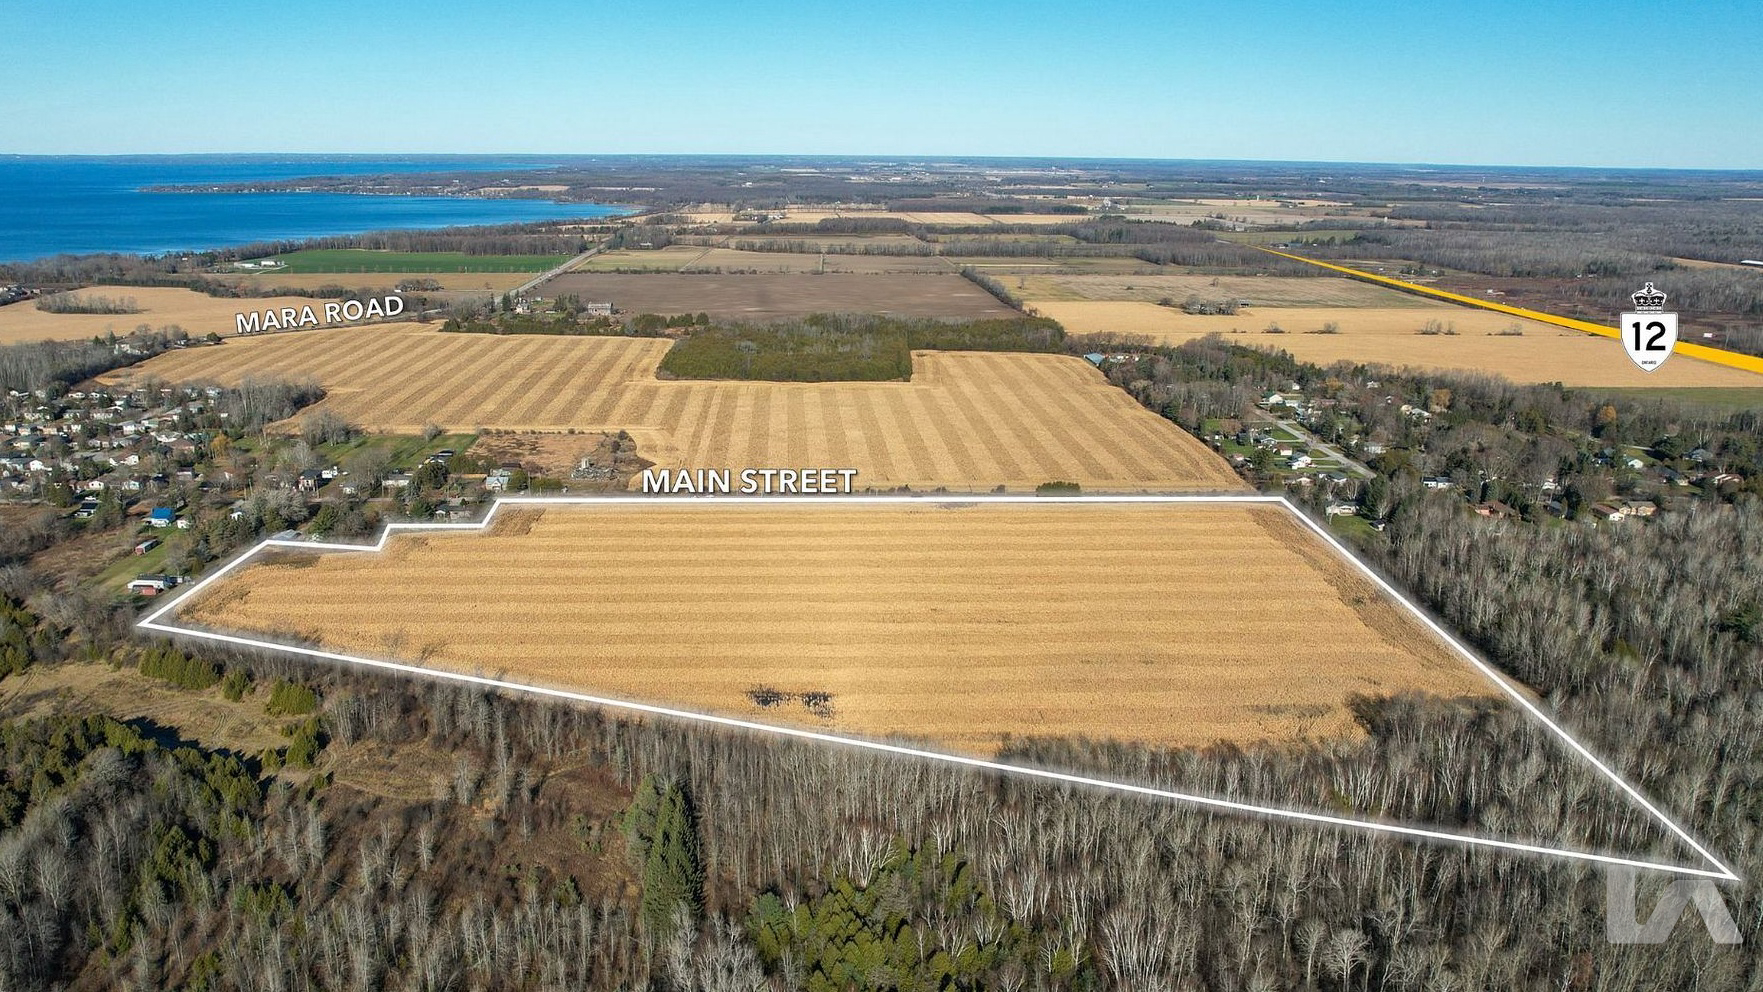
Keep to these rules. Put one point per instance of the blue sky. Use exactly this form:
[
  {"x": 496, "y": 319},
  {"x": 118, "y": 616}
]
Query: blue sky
[{"x": 1480, "y": 82}]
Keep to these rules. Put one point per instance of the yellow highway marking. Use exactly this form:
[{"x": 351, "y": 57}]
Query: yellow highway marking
[{"x": 1719, "y": 356}]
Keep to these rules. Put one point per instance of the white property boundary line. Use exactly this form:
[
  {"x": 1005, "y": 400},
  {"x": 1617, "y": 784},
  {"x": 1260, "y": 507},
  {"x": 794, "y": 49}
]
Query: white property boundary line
[{"x": 1719, "y": 871}]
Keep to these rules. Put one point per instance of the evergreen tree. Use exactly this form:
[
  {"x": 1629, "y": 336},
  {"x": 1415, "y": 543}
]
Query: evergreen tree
[{"x": 663, "y": 832}]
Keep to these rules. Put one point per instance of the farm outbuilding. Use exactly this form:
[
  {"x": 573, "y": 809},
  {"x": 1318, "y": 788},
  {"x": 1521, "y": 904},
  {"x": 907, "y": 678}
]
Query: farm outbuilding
[{"x": 151, "y": 585}]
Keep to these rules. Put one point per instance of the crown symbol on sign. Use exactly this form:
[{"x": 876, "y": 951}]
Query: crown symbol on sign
[{"x": 1649, "y": 299}]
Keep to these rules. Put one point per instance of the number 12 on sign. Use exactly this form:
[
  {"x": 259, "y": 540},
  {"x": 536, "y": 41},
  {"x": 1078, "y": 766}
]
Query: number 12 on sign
[{"x": 1649, "y": 337}]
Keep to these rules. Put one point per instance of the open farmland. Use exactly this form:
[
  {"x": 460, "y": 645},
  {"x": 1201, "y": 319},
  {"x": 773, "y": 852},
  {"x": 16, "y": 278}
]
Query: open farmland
[
  {"x": 345, "y": 260},
  {"x": 731, "y": 259},
  {"x": 927, "y": 218},
  {"x": 1032, "y": 265},
  {"x": 668, "y": 259},
  {"x": 724, "y": 214},
  {"x": 829, "y": 242},
  {"x": 1543, "y": 353},
  {"x": 1265, "y": 291},
  {"x": 1257, "y": 211},
  {"x": 769, "y": 296},
  {"x": 966, "y": 420},
  {"x": 710, "y": 259},
  {"x": 458, "y": 282},
  {"x": 197, "y": 313},
  {"x": 955, "y": 623},
  {"x": 1171, "y": 325},
  {"x": 953, "y": 218}
]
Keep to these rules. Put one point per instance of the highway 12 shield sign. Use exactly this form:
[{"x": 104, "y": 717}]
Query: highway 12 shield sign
[{"x": 1649, "y": 333}]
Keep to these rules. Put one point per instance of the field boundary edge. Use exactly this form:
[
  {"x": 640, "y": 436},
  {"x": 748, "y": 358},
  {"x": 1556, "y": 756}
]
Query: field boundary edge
[{"x": 1719, "y": 871}]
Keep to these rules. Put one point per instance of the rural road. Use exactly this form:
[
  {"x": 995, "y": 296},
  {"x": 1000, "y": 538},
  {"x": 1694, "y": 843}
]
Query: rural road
[
  {"x": 1317, "y": 444},
  {"x": 536, "y": 281}
]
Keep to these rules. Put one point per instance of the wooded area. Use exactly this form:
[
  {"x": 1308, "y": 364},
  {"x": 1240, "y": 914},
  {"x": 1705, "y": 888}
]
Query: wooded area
[{"x": 838, "y": 347}]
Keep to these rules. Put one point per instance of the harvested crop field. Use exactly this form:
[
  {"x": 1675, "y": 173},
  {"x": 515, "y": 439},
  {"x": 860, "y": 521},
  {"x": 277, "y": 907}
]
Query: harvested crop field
[
  {"x": 954, "y": 623},
  {"x": 967, "y": 420},
  {"x": 1257, "y": 291},
  {"x": 161, "y": 306},
  {"x": 1268, "y": 212},
  {"x": 1543, "y": 353},
  {"x": 734, "y": 260},
  {"x": 668, "y": 259},
  {"x": 1037, "y": 265},
  {"x": 711, "y": 259},
  {"x": 772, "y": 296},
  {"x": 1170, "y": 325}
]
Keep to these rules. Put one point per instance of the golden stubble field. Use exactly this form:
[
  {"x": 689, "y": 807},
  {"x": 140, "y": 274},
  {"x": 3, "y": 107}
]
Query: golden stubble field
[
  {"x": 197, "y": 313},
  {"x": 1258, "y": 291},
  {"x": 1386, "y": 336},
  {"x": 959, "y": 624},
  {"x": 967, "y": 420}
]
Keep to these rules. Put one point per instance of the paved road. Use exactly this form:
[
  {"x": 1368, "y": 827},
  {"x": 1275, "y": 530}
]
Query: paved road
[
  {"x": 534, "y": 283},
  {"x": 1316, "y": 444}
]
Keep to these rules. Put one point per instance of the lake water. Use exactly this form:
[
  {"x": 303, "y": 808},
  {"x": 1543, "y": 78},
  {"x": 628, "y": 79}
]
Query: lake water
[{"x": 51, "y": 205}]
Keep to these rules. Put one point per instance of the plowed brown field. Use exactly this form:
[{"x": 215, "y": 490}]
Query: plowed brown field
[
  {"x": 1161, "y": 623},
  {"x": 966, "y": 420},
  {"x": 758, "y": 297}
]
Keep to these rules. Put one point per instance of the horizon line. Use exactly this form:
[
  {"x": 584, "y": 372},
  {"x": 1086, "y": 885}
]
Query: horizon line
[{"x": 888, "y": 157}]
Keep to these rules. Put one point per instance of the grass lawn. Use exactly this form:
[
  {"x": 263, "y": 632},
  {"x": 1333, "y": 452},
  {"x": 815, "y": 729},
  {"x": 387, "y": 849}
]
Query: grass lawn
[
  {"x": 364, "y": 260},
  {"x": 403, "y": 451},
  {"x": 1229, "y": 446},
  {"x": 1355, "y": 528},
  {"x": 1717, "y": 400},
  {"x": 118, "y": 576}
]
